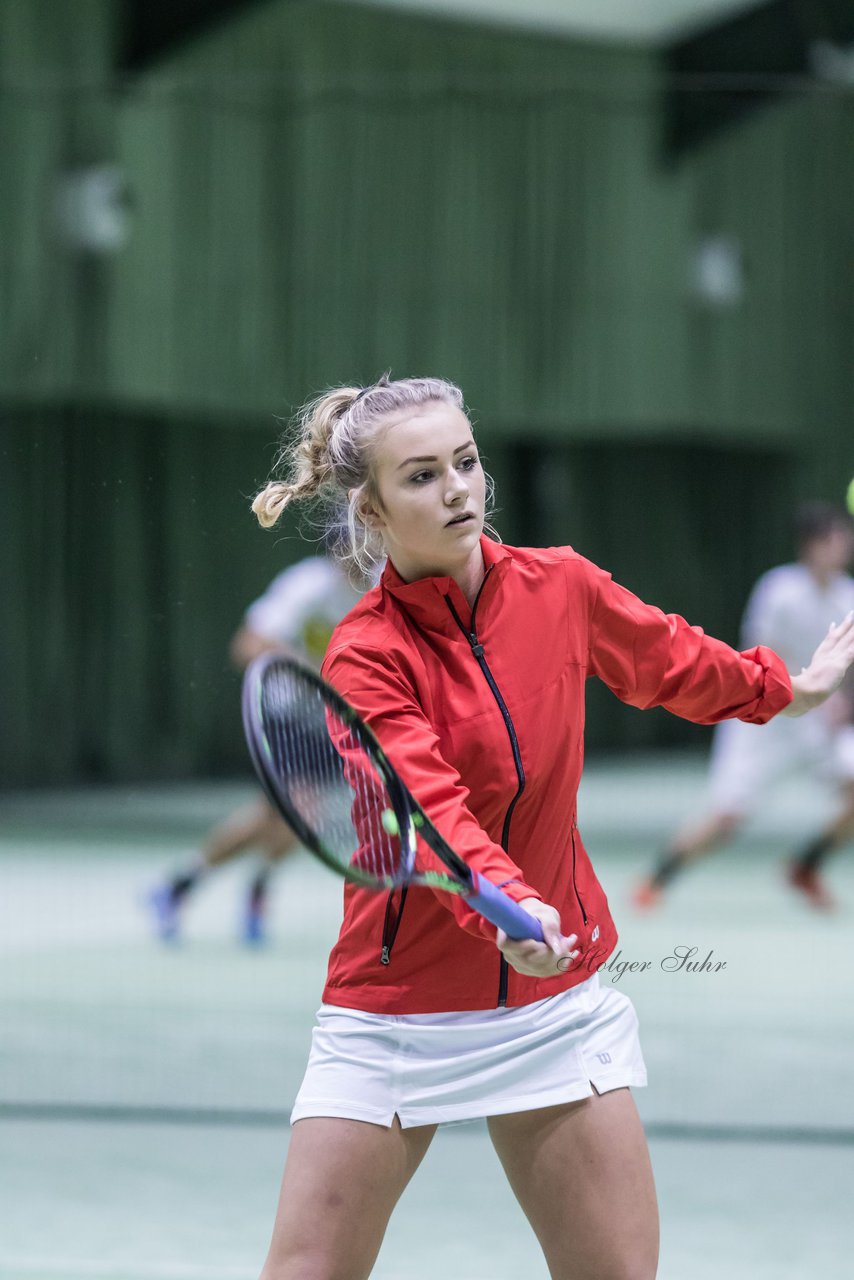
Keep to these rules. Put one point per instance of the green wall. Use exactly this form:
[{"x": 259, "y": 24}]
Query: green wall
[
  {"x": 386, "y": 192},
  {"x": 323, "y": 191},
  {"x": 128, "y": 557}
]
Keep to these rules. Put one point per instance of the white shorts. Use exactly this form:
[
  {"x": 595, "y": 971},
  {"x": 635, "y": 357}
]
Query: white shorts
[
  {"x": 746, "y": 758},
  {"x": 439, "y": 1067}
]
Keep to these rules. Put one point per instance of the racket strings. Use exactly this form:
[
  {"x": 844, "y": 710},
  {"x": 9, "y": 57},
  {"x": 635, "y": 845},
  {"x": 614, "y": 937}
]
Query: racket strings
[{"x": 330, "y": 779}]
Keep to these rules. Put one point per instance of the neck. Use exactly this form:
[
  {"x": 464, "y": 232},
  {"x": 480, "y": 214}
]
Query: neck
[
  {"x": 470, "y": 579},
  {"x": 822, "y": 574}
]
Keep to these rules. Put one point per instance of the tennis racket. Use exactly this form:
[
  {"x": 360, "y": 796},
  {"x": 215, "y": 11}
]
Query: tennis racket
[{"x": 326, "y": 773}]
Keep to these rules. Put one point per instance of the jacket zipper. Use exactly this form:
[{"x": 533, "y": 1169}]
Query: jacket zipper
[{"x": 478, "y": 651}]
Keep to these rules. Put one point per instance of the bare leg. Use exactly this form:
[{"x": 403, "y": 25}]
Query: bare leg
[
  {"x": 342, "y": 1180},
  {"x": 803, "y": 873},
  {"x": 277, "y": 840},
  {"x": 255, "y": 826},
  {"x": 841, "y": 830},
  {"x": 689, "y": 844},
  {"x": 582, "y": 1174}
]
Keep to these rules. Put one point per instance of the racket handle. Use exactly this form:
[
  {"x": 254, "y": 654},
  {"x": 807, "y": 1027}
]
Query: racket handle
[{"x": 502, "y": 911}]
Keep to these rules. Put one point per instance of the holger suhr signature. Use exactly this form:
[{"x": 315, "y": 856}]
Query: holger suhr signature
[{"x": 680, "y": 960}]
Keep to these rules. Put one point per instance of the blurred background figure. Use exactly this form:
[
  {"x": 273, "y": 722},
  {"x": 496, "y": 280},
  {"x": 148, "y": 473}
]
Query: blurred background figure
[
  {"x": 296, "y": 615},
  {"x": 789, "y": 609}
]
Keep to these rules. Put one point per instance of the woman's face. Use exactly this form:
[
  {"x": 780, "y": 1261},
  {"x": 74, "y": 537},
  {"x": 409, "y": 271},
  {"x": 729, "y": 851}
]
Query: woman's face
[
  {"x": 432, "y": 492},
  {"x": 832, "y": 552}
]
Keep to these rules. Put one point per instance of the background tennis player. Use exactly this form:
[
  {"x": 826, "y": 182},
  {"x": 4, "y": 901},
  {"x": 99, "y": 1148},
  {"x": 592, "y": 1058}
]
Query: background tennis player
[
  {"x": 295, "y": 616},
  {"x": 790, "y": 608}
]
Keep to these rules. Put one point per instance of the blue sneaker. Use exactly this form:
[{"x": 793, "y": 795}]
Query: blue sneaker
[
  {"x": 254, "y": 934},
  {"x": 161, "y": 902}
]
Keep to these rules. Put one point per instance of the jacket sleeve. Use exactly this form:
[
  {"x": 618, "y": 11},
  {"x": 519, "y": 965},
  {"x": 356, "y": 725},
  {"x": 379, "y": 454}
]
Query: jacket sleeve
[
  {"x": 652, "y": 659},
  {"x": 374, "y": 684}
]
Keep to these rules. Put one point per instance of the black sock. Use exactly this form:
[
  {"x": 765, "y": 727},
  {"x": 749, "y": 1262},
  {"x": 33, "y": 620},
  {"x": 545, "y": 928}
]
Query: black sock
[
  {"x": 258, "y": 890},
  {"x": 810, "y": 857},
  {"x": 666, "y": 870},
  {"x": 182, "y": 883}
]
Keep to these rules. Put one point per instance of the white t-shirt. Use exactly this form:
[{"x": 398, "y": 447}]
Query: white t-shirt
[
  {"x": 302, "y": 606},
  {"x": 789, "y": 611}
]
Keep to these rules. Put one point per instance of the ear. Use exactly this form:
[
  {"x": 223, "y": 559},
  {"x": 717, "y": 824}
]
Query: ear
[
  {"x": 371, "y": 518},
  {"x": 368, "y": 513}
]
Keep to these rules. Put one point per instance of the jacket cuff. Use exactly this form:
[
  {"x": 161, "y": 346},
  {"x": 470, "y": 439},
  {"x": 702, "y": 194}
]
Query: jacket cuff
[
  {"x": 777, "y": 691},
  {"x": 515, "y": 889},
  {"x": 518, "y": 890}
]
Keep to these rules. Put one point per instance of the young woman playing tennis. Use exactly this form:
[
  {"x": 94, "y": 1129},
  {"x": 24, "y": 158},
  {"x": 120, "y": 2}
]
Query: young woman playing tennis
[{"x": 469, "y": 662}]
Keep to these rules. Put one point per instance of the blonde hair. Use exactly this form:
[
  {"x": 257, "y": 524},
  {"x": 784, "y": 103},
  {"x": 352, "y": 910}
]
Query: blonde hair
[{"x": 327, "y": 460}]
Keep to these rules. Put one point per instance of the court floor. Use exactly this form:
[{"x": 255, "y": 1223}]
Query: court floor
[{"x": 144, "y": 1089}]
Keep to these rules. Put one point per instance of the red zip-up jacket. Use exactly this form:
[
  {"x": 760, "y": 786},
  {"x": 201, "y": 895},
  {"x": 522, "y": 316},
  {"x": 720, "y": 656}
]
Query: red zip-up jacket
[{"x": 482, "y": 712}]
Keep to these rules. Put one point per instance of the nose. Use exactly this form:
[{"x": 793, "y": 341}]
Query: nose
[{"x": 455, "y": 486}]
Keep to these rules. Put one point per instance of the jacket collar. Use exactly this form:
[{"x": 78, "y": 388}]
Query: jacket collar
[{"x": 425, "y": 598}]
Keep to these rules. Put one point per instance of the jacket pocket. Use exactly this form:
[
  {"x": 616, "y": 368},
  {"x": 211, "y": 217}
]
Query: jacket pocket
[
  {"x": 391, "y": 922},
  {"x": 576, "y": 843}
]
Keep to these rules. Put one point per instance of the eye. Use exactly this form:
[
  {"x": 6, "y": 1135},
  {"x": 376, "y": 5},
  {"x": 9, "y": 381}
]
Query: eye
[
  {"x": 469, "y": 462},
  {"x": 421, "y": 477}
]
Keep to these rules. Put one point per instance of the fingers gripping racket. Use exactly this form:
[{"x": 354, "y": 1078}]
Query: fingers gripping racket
[{"x": 328, "y": 776}]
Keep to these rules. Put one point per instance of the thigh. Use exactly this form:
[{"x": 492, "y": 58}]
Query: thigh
[
  {"x": 341, "y": 1182},
  {"x": 582, "y": 1174},
  {"x": 842, "y": 827},
  {"x": 277, "y": 839}
]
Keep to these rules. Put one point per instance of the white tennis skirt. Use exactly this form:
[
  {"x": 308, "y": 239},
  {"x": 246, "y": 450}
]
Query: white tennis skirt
[{"x": 435, "y": 1068}]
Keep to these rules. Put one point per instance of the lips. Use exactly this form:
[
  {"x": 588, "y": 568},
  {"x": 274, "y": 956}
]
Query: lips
[{"x": 462, "y": 518}]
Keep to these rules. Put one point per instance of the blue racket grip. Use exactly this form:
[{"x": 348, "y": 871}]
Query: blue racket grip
[{"x": 502, "y": 911}]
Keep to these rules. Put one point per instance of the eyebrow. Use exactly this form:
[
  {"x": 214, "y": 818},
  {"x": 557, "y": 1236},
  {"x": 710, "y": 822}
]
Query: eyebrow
[{"x": 432, "y": 458}]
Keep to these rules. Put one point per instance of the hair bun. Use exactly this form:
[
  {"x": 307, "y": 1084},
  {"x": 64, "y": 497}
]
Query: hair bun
[{"x": 269, "y": 504}]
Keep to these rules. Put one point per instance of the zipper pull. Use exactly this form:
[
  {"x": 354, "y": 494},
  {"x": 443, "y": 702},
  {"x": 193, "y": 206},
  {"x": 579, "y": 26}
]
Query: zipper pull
[
  {"x": 476, "y": 646},
  {"x": 385, "y": 957}
]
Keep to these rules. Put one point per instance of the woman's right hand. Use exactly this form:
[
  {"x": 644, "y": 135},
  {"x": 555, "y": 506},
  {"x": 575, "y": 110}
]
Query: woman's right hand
[{"x": 539, "y": 959}]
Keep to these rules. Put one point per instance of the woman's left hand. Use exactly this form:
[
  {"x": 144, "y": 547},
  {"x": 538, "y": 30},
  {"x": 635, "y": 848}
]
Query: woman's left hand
[
  {"x": 539, "y": 959},
  {"x": 826, "y": 670}
]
